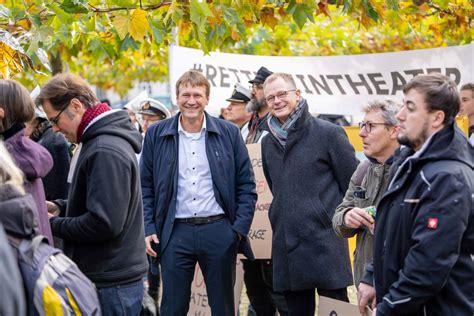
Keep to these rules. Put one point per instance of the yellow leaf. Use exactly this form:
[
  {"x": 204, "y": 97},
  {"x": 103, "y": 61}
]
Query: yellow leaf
[
  {"x": 122, "y": 25},
  {"x": 25, "y": 24},
  {"x": 139, "y": 24},
  {"x": 10, "y": 62}
]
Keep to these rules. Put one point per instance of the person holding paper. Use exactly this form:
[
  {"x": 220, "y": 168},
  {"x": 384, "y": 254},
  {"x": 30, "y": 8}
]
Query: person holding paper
[
  {"x": 424, "y": 230},
  {"x": 378, "y": 132}
]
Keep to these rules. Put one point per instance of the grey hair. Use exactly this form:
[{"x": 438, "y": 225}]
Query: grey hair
[
  {"x": 9, "y": 172},
  {"x": 389, "y": 109}
]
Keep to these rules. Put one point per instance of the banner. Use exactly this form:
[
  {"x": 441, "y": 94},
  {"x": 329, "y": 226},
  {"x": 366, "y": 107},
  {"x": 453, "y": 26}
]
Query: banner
[{"x": 331, "y": 84}]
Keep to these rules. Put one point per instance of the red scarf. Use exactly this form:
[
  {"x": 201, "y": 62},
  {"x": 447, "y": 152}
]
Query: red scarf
[{"x": 89, "y": 115}]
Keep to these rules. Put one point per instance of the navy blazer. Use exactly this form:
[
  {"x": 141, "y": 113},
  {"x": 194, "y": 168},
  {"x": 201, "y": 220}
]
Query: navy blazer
[{"x": 232, "y": 177}]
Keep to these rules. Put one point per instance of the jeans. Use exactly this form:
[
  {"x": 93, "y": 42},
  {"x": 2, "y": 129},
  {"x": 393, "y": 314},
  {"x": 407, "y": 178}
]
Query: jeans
[{"x": 123, "y": 299}]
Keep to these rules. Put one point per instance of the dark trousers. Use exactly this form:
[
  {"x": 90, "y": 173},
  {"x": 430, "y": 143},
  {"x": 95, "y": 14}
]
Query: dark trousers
[
  {"x": 214, "y": 246},
  {"x": 258, "y": 278},
  {"x": 154, "y": 284},
  {"x": 303, "y": 303}
]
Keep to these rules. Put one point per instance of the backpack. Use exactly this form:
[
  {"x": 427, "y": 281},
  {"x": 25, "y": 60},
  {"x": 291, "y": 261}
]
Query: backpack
[{"x": 53, "y": 283}]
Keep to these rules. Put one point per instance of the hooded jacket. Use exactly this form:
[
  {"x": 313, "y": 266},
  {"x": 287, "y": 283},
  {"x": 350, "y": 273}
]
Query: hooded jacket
[
  {"x": 424, "y": 231},
  {"x": 35, "y": 162},
  {"x": 102, "y": 226}
]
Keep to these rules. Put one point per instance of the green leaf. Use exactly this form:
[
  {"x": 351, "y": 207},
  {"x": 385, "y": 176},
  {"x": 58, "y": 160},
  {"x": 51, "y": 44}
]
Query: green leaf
[
  {"x": 158, "y": 34},
  {"x": 74, "y": 6},
  {"x": 392, "y": 4},
  {"x": 301, "y": 14},
  {"x": 372, "y": 13},
  {"x": 127, "y": 43},
  {"x": 199, "y": 11}
]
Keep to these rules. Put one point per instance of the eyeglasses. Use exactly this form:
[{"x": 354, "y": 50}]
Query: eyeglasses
[
  {"x": 280, "y": 95},
  {"x": 256, "y": 86},
  {"x": 369, "y": 126},
  {"x": 55, "y": 120}
]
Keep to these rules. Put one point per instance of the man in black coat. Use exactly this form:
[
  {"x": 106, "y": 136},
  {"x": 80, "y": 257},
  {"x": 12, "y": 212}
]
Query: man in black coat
[
  {"x": 424, "y": 230},
  {"x": 308, "y": 164}
]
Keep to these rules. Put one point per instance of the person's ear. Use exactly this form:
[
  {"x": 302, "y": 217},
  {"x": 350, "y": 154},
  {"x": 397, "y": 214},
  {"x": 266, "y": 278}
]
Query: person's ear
[
  {"x": 438, "y": 119},
  {"x": 394, "y": 132}
]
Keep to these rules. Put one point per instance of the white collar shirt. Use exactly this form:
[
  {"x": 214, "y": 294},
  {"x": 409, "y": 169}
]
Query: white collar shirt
[{"x": 195, "y": 197}]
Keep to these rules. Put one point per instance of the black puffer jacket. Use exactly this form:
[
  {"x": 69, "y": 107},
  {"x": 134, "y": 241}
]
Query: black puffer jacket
[
  {"x": 424, "y": 239},
  {"x": 103, "y": 224}
]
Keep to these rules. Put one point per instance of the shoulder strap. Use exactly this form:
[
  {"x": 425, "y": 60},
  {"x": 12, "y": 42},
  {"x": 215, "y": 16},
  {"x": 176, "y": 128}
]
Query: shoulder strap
[{"x": 362, "y": 172}]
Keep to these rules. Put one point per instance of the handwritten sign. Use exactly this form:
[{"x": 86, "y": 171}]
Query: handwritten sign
[
  {"x": 260, "y": 233},
  {"x": 331, "y": 307}
]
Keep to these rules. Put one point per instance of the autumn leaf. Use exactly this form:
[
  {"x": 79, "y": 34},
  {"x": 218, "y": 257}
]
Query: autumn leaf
[
  {"x": 267, "y": 17},
  {"x": 235, "y": 36},
  {"x": 122, "y": 25},
  {"x": 139, "y": 24}
]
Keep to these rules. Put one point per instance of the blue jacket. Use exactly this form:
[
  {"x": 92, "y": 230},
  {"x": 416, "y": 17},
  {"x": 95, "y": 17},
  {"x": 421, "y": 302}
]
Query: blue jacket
[{"x": 231, "y": 170}]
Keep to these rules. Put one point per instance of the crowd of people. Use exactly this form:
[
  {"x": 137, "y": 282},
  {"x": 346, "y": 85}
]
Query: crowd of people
[{"x": 150, "y": 198}]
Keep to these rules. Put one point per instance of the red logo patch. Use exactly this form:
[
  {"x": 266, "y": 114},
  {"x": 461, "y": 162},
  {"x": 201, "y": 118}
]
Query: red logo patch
[{"x": 432, "y": 223}]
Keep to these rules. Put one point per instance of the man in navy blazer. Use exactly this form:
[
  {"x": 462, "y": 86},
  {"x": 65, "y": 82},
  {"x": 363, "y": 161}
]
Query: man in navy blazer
[{"x": 199, "y": 198}]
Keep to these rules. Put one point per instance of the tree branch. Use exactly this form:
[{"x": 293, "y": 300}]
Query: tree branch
[{"x": 141, "y": 6}]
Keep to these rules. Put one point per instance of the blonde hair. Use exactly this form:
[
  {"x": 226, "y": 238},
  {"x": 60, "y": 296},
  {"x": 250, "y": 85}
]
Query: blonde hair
[{"x": 9, "y": 173}]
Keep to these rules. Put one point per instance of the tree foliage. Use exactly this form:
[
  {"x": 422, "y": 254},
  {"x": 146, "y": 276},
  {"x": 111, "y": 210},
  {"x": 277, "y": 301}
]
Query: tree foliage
[{"x": 114, "y": 42}]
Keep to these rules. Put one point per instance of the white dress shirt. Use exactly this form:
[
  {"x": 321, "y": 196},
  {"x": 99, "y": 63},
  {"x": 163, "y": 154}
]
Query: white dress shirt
[{"x": 195, "y": 192}]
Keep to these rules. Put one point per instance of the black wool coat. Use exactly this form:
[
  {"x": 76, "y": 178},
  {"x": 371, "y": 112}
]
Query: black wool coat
[{"x": 308, "y": 179}]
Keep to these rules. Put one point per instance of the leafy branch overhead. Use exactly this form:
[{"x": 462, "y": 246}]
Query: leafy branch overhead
[{"x": 108, "y": 34}]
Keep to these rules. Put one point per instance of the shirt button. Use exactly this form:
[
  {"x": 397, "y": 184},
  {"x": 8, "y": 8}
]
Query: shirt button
[
  {"x": 194, "y": 183},
  {"x": 194, "y": 168},
  {"x": 194, "y": 199}
]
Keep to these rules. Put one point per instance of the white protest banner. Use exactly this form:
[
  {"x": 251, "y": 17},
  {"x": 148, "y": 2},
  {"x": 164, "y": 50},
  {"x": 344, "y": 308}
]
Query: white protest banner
[
  {"x": 331, "y": 84},
  {"x": 199, "y": 302},
  {"x": 260, "y": 233}
]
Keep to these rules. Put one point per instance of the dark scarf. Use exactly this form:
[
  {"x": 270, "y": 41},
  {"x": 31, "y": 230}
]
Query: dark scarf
[
  {"x": 471, "y": 130},
  {"x": 280, "y": 131},
  {"x": 89, "y": 115},
  {"x": 15, "y": 128},
  {"x": 254, "y": 130}
]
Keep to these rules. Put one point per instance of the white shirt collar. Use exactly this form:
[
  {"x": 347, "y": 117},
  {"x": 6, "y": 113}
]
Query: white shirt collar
[{"x": 181, "y": 129}]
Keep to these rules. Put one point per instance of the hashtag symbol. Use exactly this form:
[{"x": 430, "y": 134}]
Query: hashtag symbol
[{"x": 197, "y": 67}]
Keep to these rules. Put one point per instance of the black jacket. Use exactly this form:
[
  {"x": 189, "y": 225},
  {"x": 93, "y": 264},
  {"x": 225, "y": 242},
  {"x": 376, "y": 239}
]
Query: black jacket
[
  {"x": 424, "y": 237},
  {"x": 308, "y": 179},
  {"x": 103, "y": 224}
]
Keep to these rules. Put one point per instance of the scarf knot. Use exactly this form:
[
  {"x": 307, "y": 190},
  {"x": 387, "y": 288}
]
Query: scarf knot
[{"x": 279, "y": 130}]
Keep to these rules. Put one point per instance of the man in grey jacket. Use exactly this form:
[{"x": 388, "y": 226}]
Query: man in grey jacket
[
  {"x": 308, "y": 164},
  {"x": 378, "y": 132}
]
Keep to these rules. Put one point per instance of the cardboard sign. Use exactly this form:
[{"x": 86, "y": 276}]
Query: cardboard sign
[
  {"x": 331, "y": 307},
  {"x": 199, "y": 302},
  {"x": 260, "y": 233}
]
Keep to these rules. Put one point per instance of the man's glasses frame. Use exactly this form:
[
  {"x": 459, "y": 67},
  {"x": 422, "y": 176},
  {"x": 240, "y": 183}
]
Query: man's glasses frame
[
  {"x": 369, "y": 126},
  {"x": 55, "y": 120},
  {"x": 280, "y": 95}
]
